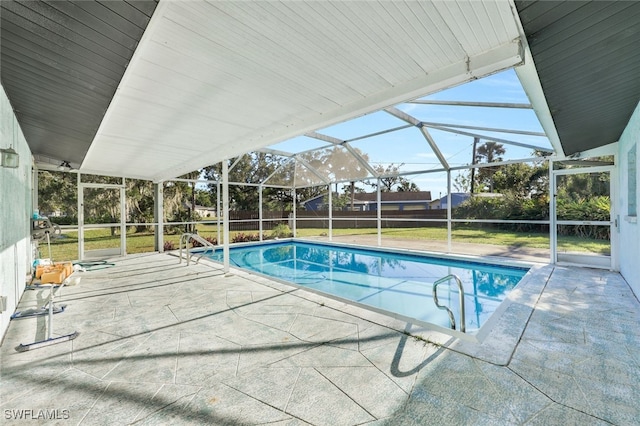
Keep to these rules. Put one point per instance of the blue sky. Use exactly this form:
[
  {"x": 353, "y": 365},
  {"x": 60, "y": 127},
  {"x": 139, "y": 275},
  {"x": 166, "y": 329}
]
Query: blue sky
[{"x": 408, "y": 146}]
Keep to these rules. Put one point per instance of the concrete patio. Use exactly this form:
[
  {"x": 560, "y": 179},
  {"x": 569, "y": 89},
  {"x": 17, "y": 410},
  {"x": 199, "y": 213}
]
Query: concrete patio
[{"x": 163, "y": 343}]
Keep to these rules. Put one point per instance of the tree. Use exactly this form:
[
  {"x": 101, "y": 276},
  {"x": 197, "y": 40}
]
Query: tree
[
  {"x": 489, "y": 152},
  {"x": 338, "y": 201},
  {"x": 349, "y": 165},
  {"x": 340, "y": 164},
  {"x": 253, "y": 168},
  {"x": 139, "y": 202},
  {"x": 266, "y": 168},
  {"x": 391, "y": 181},
  {"x": 191, "y": 227},
  {"x": 204, "y": 198},
  {"x": 462, "y": 182},
  {"x": 523, "y": 180},
  {"x": 350, "y": 190},
  {"x": 583, "y": 186},
  {"x": 57, "y": 194},
  {"x": 407, "y": 186}
]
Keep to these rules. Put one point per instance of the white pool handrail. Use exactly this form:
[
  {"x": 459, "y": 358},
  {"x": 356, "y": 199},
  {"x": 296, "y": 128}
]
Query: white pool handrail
[
  {"x": 452, "y": 320},
  {"x": 184, "y": 241}
]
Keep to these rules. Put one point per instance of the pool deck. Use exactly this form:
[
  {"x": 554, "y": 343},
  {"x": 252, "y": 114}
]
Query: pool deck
[{"x": 163, "y": 343}]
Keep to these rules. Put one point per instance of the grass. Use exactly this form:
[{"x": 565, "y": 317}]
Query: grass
[
  {"x": 481, "y": 236},
  {"x": 66, "y": 247}
]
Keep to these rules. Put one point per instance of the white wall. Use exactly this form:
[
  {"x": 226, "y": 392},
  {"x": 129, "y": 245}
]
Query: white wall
[
  {"x": 15, "y": 212},
  {"x": 629, "y": 231}
]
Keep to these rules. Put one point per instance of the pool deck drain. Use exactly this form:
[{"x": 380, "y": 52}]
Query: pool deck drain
[{"x": 162, "y": 343}]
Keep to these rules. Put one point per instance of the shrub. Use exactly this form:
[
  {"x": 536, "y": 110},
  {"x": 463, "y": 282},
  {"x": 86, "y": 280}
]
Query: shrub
[
  {"x": 592, "y": 209},
  {"x": 241, "y": 237},
  {"x": 211, "y": 240},
  {"x": 517, "y": 208},
  {"x": 507, "y": 207},
  {"x": 281, "y": 230},
  {"x": 173, "y": 229}
]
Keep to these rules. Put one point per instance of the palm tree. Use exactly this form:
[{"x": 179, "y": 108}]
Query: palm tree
[{"x": 489, "y": 152}]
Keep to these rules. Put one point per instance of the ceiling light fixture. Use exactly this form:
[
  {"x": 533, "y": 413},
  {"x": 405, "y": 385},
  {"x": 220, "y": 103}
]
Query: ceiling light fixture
[
  {"x": 64, "y": 166},
  {"x": 10, "y": 158}
]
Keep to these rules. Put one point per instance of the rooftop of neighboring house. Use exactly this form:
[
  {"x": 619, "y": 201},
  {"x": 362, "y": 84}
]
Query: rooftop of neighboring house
[{"x": 390, "y": 197}]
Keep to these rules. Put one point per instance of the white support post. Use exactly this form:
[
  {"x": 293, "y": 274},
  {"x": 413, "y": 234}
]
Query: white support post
[
  {"x": 293, "y": 195},
  {"x": 225, "y": 207},
  {"x": 80, "y": 217},
  {"x": 553, "y": 235},
  {"x": 615, "y": 230},
  {"x": 260, "y": 212},
  {"x": 123, "y": 219},
  {"x": 449, "y": 211},
  {"x": 34, "y": 188},
  {"x": 330, "y": 214},
  {"x": 158, "y": 213},
  {"x": 33, "y": 252},
  {"x": 218, "y": 215},
  {"x": 379, "y": 213}
]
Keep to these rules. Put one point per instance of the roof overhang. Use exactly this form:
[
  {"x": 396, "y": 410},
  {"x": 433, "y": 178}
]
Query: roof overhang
[
  {"x": 60, "y": 65},
  {"x": 587, "y": 62},
  {"x": 211, "y": 80}
]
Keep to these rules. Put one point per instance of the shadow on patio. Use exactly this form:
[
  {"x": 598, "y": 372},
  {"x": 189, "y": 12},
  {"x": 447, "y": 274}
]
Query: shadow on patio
[{"x": 164, "y": 343}]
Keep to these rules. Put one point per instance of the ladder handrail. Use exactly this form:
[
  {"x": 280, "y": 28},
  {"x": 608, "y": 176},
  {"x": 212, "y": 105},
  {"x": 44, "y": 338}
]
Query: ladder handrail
[
  {"x": 452, "y": 320},
  {"x": 184, "y": 240}
]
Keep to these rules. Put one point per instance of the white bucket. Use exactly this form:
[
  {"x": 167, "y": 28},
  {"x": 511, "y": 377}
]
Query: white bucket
[{"x": 73, "y": 280}]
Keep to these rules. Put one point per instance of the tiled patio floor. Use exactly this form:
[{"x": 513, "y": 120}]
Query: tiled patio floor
[{"x": 163, "y": 343}]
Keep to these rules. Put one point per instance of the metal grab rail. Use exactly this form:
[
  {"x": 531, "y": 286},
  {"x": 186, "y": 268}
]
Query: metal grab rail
[
  {"x": 184, "y": 240},
  {"x": 452, "y": 320}
]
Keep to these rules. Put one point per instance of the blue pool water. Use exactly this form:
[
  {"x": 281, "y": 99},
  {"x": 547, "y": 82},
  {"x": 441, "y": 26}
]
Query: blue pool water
[{"x": 392, "y": 282}]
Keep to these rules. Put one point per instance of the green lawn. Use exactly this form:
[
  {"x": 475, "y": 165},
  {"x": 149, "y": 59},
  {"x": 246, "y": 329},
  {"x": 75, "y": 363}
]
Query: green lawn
[
  {"x": 479, "y": 236},
  {"x": 66, "y": 246}
]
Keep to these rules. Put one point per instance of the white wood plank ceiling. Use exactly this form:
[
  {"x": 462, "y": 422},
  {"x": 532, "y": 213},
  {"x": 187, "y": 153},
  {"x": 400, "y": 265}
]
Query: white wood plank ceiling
[{"x": 211, "y": 80}]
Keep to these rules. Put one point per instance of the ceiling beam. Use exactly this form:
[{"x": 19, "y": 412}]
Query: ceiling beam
[
  {"x": 415, "y": 122},
  {"x": 486, "y": 129},
  {"x": 494, "y": 139},
  {"x": 348, "y": 147},
  {"x": 472, "y": 104},
  {"x": 312, "y": 170}
]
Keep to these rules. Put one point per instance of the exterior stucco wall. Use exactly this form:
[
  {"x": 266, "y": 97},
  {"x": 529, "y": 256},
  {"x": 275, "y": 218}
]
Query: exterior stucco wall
[
  {"x": 629, "y": 227},
  {"x": 15, "y": 213}
]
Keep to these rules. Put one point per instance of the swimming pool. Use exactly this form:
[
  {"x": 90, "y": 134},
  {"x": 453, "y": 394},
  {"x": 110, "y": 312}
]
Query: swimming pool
[{"x": 390, "y": 282}]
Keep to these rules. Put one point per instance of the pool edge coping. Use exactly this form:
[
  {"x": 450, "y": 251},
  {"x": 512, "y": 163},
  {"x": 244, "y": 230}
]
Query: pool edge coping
[{"x": 495, "y": 342}]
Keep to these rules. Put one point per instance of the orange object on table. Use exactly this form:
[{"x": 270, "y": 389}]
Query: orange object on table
[
  {"x": 55, "y": 276},
  {"x": 39, "y": 270},
  {"x": 68, "y": 267}
]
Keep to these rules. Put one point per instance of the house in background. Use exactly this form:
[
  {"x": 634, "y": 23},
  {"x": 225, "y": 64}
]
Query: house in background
[
  {"x": 367, "y": 201},
  {"x": 317, "y": 203},
  {"x": 205, "y": 212},
  {"x": 406, "y": 200},
  {"x": 202, "y": 211},
  {"x": 457, "y": 198}
]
